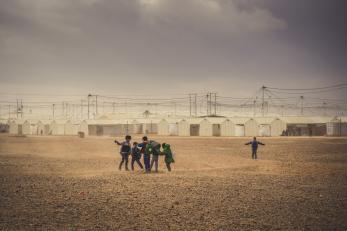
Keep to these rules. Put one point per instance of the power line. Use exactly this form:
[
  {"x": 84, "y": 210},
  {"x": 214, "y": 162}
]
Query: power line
[{"x": 309, "y": 89}]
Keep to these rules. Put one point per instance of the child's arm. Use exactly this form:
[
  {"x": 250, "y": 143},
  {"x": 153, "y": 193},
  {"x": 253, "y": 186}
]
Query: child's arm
[
  {"x": 261, "y": 143},
  {"x": 248, "y": 143},
  {"x": 116, "y": 141}
]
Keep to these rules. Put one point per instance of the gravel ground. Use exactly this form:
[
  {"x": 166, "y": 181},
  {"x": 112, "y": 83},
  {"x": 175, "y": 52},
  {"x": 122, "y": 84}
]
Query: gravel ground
[{"x": 68, "y": 183}]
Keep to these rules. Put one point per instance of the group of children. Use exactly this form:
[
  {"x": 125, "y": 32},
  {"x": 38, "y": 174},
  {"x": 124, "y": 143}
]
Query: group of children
[{"x": 150, "y": 150}]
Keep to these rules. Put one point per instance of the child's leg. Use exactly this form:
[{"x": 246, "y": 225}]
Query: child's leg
[
  {"x": 139, "y": 163},
  {"x": 121, "y": 163},
  {"x": 156, "y": 165},
  {"x": 255, "y": 154},
  {"x": 132, "y": 163},
  {"x": 168, "y": 167},
  {"x": 152, "y": 162},
  {"x": 146, "y": 159},
  {"x": 126, "y": 161}
]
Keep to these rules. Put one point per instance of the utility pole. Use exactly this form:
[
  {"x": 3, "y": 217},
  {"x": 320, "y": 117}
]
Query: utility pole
[
  {"x": 190, "y": 105},
  {"x": 96, "y": 104},
  {"x": 195, "y": 104},
  {"x": 81, "y": 109},
  {"x": 263, "y": 102},
  {"x": 210, "y": 104},
  {"x": 113, "y": 107},
  {"x": 9, "y": 111},
  {"x": 53, "y": 110},
  {"x": 207, "y": 105},
  {"x": 21, "y": 108},
  {"x": 254, "y": 107},
  {"x": 215, "y": 104},
  {"x": 17, "y": 109},
  {"x": 325, "y": 108},
  {"x": 66, "y": 109},
  {"x": 88, "y": 104},
  {"x": 175, "y": 108},
  {"x": 302, "y": 104}
]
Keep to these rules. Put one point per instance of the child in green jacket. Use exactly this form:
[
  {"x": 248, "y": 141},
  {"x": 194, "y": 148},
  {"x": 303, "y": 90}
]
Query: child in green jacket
[{"x": 168, "y": 155}]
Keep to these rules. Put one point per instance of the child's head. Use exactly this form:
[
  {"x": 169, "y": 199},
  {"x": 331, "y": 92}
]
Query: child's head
[
  {"x": 254, "y": 138},
  {"x": 135, "y": 144},
  {"x": 127, "y": 138},
  {"x": 145, "y": 138},
  {"x": 163, "y": 145}
]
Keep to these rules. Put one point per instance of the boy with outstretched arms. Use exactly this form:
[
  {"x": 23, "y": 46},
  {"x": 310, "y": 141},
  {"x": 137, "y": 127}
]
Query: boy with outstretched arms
[
  {"x": 254, "y": 143},
  {"x": 168, "y": 155},
  {"x": 125, "y": 150},
  {"x": 135, "y": 156}
]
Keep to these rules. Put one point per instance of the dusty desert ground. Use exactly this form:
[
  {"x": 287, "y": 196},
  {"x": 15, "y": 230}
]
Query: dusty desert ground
[{"x": 69, "y": 183}]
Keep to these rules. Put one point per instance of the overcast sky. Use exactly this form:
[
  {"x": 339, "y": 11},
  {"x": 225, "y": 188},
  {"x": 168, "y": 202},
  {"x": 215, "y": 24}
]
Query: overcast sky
[{"x": 170, "y": 46}]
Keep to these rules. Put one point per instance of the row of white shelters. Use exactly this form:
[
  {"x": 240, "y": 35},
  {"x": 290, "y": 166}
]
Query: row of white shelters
[
  {"x": 238, "y": 126},
  {"x": 118, "y": 127},
  {"x": 243, "y": 126},
  {"x": 42, "y": 127},
  {"x": 207, "y": 126}
]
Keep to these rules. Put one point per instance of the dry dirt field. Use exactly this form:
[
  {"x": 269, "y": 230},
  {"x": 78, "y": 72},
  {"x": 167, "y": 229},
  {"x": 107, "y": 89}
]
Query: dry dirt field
[{"x": 69, "y": 183}]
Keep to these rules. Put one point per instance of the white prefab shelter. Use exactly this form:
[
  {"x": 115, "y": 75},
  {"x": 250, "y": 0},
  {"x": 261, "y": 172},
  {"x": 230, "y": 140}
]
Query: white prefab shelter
[
  {"x": 163, "y": 127},
  {"x": 239, "y": 125},
  {"x": 57, "y": 127},
  {"x": 251, "y": 128},
  {"x": 137, "y": 127},
  {"x": 84, "y": 128},
  {"x": 183, "y": 128},
  {"x": 70, "y": 128},
  {"x": 173, "y": 129},
  {"x": 26, "y": 128},
  {"x": 194, "y": 126},
  {"x": 13, "y": 130},
  {"x": 42, "y": 128},
  {"x": 107, "y": 127},
  {"x": 277, "y": 127},
  {"x": 239, "y": 130},
  {"x": 149, "y": 126},
  {"x": 227, "y": 128},
  {"x": 205, "y": 128},
  {"x": 211, "y": 126},
  {"x": 264, "y": 125},
  {"x": 168, "y": 127}
]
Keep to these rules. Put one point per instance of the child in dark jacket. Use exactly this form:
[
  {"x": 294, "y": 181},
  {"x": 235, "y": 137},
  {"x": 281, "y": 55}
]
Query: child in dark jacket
[
  {"x": 125, "y": 150},
  {"x": 146, "y": 153},
  {"x": 135, "y": 156},
  {"x": 254, "y": 143},
  {"x": 168, "y": 156},
  {"x": 155, "y": 154}
]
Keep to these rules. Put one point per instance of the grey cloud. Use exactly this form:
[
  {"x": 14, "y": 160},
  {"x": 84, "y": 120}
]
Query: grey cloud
[{"x": 184, "y": 43}]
